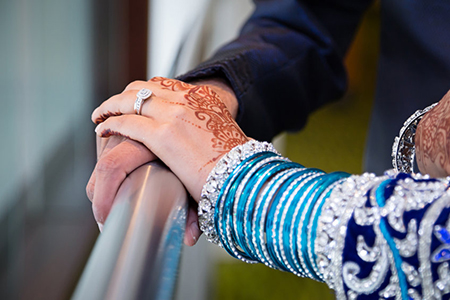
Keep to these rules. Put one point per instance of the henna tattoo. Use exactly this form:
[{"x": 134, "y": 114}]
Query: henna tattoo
[
  {"x": 174, "y": 103},
  {"x": 105, "y": 116},
  {"x": 210, "y": 109},
  {"x": 190, "y": 123},
  {"x": 433, "y": 136},
  {"x": 172, "y": 84},
  {"x": 108, "y": 132}
]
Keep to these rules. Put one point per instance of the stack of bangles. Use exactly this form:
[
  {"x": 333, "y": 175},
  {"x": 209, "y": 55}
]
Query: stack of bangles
[{"x": 384, "y": 237}]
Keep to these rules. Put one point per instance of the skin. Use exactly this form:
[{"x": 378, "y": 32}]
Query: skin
[
  {"x": 190, "y": 126},
  {"x": 432, "y": 140},
  {"x": 207, "y": 108}
]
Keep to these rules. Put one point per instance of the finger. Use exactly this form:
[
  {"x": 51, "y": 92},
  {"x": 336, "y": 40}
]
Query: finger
[
  {"x": 106, "y": 145},
  {"x": 161, "y": 86},
  {"x": 120, "y": 104},
  {"x": 90, "y": 187},
  {"x": 165, "y": 85},
  {"x": 171, "y": 141},
  {"x": 134, "y": 127},
  {"x": 192, "y": 233},
  {"x": 136, "y": 85},
  {"x": 111, "y": 170}
]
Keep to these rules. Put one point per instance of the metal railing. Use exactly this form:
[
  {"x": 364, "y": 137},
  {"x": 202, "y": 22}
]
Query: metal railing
[{"x": 137, "y": 255}]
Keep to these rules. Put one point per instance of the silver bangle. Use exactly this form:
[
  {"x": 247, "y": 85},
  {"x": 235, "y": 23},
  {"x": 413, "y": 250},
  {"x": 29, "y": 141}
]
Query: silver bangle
[
  {"x": 216, "y": 179},
  {"x": 403, "y": 149}
]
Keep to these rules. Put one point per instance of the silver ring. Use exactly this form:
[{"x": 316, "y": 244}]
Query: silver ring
[{"x": 141, "y": 96}]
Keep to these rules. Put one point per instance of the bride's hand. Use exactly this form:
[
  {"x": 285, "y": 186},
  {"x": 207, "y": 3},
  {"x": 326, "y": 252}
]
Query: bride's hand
[
  {"x": 187, "y": 126},
  {"x": 432, "y": 140}
]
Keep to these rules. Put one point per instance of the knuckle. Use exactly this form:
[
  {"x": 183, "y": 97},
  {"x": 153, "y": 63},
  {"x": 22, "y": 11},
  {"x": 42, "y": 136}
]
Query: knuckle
[
  {"x": 134, "y": 85},
  {"x": 107, "y": 165},
  {"x": 179, "y": 111},
  {"x": 90, "y": 191},
  {"x": 164, "y": 130}
]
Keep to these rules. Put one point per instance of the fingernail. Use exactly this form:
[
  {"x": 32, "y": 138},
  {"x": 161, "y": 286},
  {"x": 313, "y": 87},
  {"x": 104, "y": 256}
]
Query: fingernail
[
  {"x": 100, "y": 226},
  {"x": 96, "y": 128},
  {"x": 194, "y": 230}
]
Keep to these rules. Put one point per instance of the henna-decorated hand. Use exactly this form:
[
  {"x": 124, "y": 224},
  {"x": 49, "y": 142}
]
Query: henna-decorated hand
[
  {"x": 433, "y": 140},
  {"x": 187, "y": 126}
]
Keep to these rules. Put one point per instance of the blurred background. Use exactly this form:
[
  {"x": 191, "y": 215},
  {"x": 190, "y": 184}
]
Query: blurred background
[{"x": 58, "y": 60}]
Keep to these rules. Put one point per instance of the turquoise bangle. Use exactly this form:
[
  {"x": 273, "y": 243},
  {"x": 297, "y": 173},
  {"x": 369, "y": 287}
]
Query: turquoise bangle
[
  {"x": 301, "y": 207},
  {"x": 246, "y": 201},
  {"x": 313, "y": 225},
  {"x": 250, "y": 205},
  {"x": 229, "y": 240},
  {"x": 292, "y": 190},
  {"x": 271, "y": 223},
  {"x": 327, "y": 181},
  {"x": 292, "y": 214},
  {"x": 225, "y": 194},
  {"x": 241, "y": 199},
  {"x": 258, "y": 221}
]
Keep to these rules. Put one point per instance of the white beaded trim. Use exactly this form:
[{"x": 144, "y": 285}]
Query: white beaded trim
[{"x": 216, "y": 179}]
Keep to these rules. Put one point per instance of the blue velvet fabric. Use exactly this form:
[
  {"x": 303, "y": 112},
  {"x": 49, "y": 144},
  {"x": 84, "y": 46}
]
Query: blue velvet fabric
[{"x": 349, "y": 254}]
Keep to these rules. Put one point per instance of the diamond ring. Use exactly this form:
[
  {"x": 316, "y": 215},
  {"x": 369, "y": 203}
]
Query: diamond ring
[{"x": 141, "y": 96}]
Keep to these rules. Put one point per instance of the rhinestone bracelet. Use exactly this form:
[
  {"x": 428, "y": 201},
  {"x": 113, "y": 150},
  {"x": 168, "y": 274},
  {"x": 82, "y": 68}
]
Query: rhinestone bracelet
[{"x": 403, "y": 149}]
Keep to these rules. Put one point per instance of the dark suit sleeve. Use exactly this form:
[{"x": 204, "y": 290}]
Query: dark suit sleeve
[{"x": 286, "y": 62}]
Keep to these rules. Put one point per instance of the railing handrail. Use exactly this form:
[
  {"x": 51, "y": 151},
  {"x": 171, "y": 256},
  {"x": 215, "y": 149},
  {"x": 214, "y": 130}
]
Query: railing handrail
[{"x": 137, "y": 255}]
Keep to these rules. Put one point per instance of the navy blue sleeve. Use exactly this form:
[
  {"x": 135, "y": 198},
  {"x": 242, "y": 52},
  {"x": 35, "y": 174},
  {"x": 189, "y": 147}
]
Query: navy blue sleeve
[{"x": 287, "y": 62}]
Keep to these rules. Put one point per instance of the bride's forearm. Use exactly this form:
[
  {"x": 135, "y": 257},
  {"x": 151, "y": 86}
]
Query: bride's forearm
[{"x": 365, "y": 236}]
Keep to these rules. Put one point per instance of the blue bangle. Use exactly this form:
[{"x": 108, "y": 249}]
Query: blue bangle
[
  {"x": 272, "y": 216},
  {"x": 299, "y": 225},
  {"x": 250, "y": 220},
  {"x": 313, "y": 226},
  {"x": 224, "y": 191},
  {"x": 241, "y": 200},
  {"x": 226, "y": 195},
  {"x": 216, "y": 179},
  {"x": 245, "y": 204},
  {"x": 284, "y": 238},
  {"x": 258, "y": 219},
  {"x": 293, "y": 230},
  {"x": 327, "y": 180}
]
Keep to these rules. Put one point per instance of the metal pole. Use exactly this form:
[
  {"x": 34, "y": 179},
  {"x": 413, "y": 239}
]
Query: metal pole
[{"x": 137, "y": 255}]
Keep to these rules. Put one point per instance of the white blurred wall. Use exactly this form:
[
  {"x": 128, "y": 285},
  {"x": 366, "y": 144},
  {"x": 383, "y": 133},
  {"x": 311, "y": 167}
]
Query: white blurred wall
[{"x": 45, "y": 86}]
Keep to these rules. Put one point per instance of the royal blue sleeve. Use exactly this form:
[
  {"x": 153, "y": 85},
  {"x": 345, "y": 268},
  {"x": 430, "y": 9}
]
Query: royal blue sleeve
[{"x": 286, "y": 62}]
